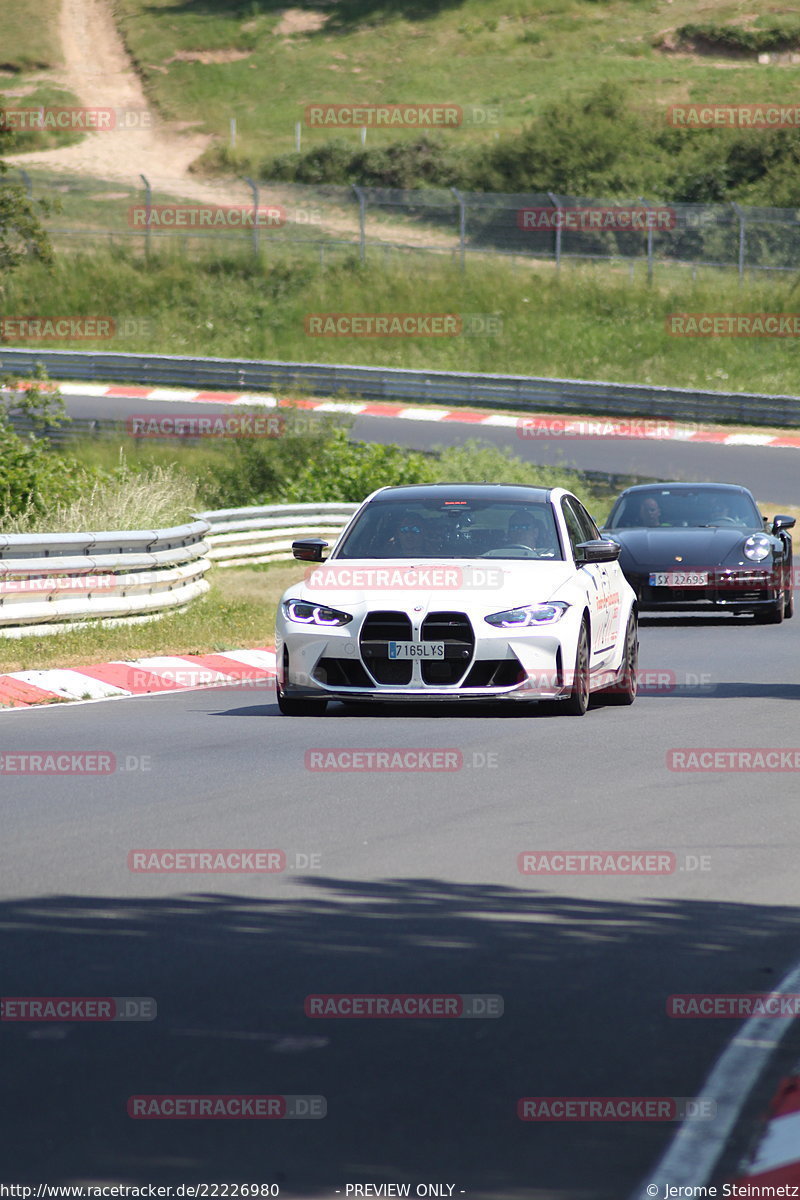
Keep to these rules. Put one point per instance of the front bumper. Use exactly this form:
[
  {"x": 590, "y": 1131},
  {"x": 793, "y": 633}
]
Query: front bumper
[
  {"x": 733, "y": 590},
  {"x": 349, "y": 663}
]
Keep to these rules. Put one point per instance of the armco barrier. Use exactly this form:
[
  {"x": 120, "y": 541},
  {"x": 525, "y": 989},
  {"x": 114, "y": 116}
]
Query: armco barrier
[
  {"x": 423, "y": 387},
  {"x": 51, "y": 581},
  {"x": 258, "y": 535}
]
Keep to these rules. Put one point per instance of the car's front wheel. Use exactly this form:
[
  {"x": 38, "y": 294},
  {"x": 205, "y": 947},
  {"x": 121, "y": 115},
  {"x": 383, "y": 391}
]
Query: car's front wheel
[
  {"x": 578, "y": 701},
  {"x": 294, "y": 707}
]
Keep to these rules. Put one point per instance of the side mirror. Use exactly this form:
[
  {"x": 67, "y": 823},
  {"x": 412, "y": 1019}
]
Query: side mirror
[
  {"x": 309, "y": 549},
  {"x": 599, "y": 550},
  {"x": 781, "y": 521}
]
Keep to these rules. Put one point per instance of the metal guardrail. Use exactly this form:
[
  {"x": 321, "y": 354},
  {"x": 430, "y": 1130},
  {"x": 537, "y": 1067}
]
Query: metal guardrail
[
  {"x": 422, "y": 387},
  {"x": 50, "y": 582},
  {"x": 241, "y": 536},
  {"x": 54, "y": 581}
]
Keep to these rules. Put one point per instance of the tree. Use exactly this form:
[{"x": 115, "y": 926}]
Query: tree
[{"x": 21, "y": 230}]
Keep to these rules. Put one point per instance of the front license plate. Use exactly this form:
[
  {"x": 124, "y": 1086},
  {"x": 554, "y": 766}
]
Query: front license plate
[
  {"x": 416, "y": 649},
  {"x": 679, "y": 579}
]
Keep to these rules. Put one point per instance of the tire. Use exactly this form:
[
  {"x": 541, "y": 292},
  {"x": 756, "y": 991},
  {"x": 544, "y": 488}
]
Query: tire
[
  {"x": 578, "y": 701},
  {"x": 625, "y": 689},
  {"x": 300, "y": 708}
]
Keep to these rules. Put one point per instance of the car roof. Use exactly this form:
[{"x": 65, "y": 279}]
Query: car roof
[
  {"x": 512, "y": 493},
  {"x": 682, "y": 486}
]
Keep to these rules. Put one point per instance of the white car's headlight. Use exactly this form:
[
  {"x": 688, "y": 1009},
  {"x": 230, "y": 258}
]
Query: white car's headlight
[
  {"x": 531, "y": 614},
  {"x": 314, "y": 614},
  {"x": 757, "y": 547}
]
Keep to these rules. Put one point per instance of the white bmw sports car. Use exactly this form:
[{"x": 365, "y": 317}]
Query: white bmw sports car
[{"x": 459, "y": 592}]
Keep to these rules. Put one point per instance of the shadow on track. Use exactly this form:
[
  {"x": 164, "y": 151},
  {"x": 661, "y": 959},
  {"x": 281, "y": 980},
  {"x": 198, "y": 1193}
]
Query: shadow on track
[{"x": 584, "y": 982}]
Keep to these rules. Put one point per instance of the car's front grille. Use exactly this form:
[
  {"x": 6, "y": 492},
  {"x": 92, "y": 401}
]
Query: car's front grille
[
  {"x": 455, "y": 630},
  {"x": 378, "y": 630}
]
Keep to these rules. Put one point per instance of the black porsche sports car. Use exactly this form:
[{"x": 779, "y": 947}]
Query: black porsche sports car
[{"x": 703, "y": 546}]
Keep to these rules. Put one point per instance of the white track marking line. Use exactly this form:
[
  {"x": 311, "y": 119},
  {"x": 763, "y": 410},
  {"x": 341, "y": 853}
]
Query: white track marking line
[{"x": 697, "y": 1146}]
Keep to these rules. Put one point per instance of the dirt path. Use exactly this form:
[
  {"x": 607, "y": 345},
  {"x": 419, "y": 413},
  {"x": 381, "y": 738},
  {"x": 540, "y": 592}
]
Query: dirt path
[{"x": 98, "y": 70}]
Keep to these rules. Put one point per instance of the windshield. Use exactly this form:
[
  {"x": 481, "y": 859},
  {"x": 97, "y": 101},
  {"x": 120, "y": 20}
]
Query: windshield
[
  {"x": 665, "y": 508},
  {"x": 453, "y": 529}
]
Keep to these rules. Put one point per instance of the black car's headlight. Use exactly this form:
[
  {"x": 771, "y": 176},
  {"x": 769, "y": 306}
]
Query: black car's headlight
[
  {"x": 758, "y": 547},
  {"x": 530, "y": 614},
  {"x": 314, "y": 614}
]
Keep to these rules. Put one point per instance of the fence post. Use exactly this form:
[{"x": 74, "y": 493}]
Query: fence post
[
  {"x": 254, "y": 188},
  {"x": 644, "y": 203},
  {"x": 742, "y": 238},
  {"x": 554, "y": 200},
  {"x": 297, "y": 137},
  {"x": 148, "y": 202},
  {"x": 362, "y": 222},
  {"x": 462, "y": 224},
  {"x": 233, "y": 133}
]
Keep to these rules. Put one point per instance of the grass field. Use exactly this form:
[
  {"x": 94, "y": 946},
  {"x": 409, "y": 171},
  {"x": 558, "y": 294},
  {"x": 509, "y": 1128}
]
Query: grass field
[
  {"x": 29, "y": 36},
  {"x": 262, "y": 64},
  {"x": 592, "y": 322}
]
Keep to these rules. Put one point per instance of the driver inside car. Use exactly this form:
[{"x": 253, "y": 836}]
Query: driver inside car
[
  {"x": 410, "y": 538},
  {"x": 524, "y": 529}
]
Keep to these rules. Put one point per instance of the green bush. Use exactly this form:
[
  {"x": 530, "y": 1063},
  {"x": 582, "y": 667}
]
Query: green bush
[
  {"x": 350, "y": 471},
  {"x": 601, "y": 145},
  {"x": 33, "y": 478},
  {"x": 736, "y": 39},
  {"x": 427, "y": 161}
]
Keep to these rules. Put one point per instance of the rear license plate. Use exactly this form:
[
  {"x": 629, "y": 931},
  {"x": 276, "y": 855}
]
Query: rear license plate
[
  {"x": 416, "y": 649},
  {"x": 679, "y": 579}
]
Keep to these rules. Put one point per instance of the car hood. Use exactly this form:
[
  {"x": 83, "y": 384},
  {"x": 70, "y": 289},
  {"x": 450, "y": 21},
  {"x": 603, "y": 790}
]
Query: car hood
[
  {"x": 463, "y": 585},
  {"x": 660, "y": 548}
]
